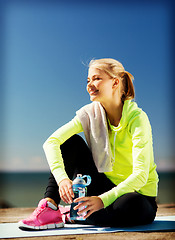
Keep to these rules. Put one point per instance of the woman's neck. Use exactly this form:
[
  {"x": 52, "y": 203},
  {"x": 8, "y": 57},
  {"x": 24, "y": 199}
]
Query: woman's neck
[{"x": 114, "y": 112}]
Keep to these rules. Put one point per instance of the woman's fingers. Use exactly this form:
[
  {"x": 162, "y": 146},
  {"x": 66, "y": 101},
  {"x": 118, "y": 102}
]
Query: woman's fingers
[
  {"x": 81, "y": 205},
  {"x": 64, "y": 195},
  {"x": 65, "y": 190},
  {"x": 83, "y": 208},
  {"x": 88, "y": 205}
]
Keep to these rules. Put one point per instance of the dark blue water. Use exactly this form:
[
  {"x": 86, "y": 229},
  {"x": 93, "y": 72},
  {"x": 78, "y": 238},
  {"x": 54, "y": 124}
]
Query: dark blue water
[{"x": 26, "y": 189}]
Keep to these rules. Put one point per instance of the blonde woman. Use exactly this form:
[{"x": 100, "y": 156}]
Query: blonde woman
[{"x": 118, "y": 156}]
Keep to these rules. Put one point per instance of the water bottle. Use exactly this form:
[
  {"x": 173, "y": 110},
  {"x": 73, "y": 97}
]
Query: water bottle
[{"x": 79, "y": 188}]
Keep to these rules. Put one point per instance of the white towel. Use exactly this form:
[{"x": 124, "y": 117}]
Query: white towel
[{"x": 95, "y": 127}]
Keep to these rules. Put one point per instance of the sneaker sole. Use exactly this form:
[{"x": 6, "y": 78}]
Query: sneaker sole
[{"x": 23, "y": 226}]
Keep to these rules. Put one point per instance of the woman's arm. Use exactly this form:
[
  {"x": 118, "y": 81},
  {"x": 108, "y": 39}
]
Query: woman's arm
[
  {"x": 142, "y": 152},
  {"x": 53, "y": 151}
]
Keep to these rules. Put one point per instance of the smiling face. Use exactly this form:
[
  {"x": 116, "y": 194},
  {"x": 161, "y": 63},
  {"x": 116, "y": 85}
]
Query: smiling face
[
  {"x": 99, "y": 85},
  {"x": 108, "y": 82}
]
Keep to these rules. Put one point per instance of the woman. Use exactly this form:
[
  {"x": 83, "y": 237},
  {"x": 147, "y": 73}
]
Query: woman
[{"x": 119, "y": 156}]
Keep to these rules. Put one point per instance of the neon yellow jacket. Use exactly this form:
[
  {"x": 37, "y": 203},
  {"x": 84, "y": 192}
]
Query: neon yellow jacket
[{"x": 131, "y": 144}]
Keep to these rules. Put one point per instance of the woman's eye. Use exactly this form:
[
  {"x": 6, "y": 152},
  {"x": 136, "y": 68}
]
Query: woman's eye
[{"x": 95, "y": 79}]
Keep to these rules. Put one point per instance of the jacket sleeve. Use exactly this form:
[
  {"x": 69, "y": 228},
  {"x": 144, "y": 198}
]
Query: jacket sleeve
[
  {"x": 53, "y": 151},
  {"x": 142, "y": 152}
]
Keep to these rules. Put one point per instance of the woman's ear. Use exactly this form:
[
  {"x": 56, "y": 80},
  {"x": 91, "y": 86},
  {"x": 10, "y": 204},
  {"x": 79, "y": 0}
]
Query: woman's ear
[{"x": 115, "y": 82}]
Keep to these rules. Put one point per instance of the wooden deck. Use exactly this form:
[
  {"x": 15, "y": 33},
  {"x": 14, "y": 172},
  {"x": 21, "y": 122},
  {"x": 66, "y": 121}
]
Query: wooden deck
[{"x": 10, "y": 215}]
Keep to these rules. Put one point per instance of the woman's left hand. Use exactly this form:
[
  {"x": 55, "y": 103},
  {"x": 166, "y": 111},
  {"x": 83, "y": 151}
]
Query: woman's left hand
[{"x": 91, "y": 204}]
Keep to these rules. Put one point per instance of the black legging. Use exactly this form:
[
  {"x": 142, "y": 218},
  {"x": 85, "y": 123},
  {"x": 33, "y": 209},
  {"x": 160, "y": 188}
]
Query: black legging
[{"x": 128, "y": 210}]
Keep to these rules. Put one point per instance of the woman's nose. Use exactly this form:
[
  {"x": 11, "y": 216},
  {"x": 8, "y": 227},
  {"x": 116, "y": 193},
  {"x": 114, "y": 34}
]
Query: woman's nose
[{"x": 89, "y": 83}]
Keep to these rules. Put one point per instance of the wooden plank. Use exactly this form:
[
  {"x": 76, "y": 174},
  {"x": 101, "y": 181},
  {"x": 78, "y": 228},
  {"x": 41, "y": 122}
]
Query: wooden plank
[{"x": 15, "y": 214}]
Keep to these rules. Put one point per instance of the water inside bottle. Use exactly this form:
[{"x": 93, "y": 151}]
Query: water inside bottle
[{"x": 73, "y": 213}]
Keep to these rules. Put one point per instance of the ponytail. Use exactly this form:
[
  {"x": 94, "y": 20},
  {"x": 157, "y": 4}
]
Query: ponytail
[{"x": 128, "y": 92}]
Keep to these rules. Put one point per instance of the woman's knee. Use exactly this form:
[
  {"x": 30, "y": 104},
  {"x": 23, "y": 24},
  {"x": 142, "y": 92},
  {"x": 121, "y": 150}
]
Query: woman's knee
[
  {"x": 132, "y": 209},
  {"x": 73, "y": 142}
]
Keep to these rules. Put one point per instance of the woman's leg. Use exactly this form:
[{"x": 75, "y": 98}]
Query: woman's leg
[
  {"x": 128, "y": 210},
  {"x": 78, "y": 160}
]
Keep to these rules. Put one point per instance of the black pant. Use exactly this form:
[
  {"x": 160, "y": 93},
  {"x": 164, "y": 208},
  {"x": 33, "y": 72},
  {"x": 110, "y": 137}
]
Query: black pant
[{"x": 128, "y": 210}]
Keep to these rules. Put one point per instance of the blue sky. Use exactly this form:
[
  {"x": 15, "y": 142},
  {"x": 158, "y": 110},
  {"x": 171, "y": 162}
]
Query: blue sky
[{"x": 46, "y": 45}]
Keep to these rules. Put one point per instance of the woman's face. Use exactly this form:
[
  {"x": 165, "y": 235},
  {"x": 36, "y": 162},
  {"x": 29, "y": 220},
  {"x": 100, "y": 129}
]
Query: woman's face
[{"x": 99, "y": 85}]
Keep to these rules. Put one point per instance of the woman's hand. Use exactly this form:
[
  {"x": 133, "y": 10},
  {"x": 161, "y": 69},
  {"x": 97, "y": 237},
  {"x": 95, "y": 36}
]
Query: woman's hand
[
  {"x": 65, "y": 190},
  {"x": 91, "y": 204}
]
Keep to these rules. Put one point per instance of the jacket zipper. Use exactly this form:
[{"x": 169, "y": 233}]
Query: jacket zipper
[{"x": 114, "y": 146}]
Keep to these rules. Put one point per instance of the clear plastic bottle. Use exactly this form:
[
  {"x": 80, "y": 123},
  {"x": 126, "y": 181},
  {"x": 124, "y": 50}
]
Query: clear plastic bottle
[{"x": 79, "y": 188}]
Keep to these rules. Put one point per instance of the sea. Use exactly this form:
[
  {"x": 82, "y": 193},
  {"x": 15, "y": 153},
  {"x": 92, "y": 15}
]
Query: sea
[{"x": 25, "y": 189}]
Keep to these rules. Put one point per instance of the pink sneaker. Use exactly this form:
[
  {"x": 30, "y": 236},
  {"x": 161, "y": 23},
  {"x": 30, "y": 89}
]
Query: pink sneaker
[{"x": 43, "y": 217}]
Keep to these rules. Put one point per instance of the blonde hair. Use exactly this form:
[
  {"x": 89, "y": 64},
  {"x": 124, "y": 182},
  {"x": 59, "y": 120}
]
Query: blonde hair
[{"x": 116, "y": 70}]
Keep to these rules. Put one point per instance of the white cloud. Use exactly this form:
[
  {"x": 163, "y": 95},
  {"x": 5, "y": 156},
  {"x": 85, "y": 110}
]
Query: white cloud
[
  {"x": 39, "y": 163},
  {"x": 35, "y": 163},
  {"x": 166, "y": 165}
]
